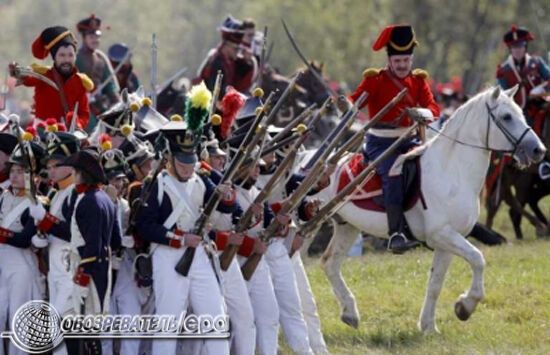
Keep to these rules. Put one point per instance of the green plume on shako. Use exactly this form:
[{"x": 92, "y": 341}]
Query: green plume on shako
[{"x": 196, "y": 108}]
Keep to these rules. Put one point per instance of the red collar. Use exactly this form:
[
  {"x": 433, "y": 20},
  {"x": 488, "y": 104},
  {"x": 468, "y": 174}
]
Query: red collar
[{"x": 82, "y": 188}]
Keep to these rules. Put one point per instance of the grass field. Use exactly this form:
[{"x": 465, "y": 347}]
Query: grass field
[{"x": 513, "y": 319}]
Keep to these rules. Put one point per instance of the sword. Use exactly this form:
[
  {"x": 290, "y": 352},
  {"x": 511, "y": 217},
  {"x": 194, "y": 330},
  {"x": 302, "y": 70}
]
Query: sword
[
  {"x": 72, "y": 127},
  {"x": 31, "y": 73},
  {"x": 168, "y": 81},
  {"x": 112, "y": 74},
  {"x": 306, "y": 62}
]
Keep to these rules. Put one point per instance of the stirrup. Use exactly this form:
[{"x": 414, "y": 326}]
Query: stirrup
[{"x": 401, "y": 246}]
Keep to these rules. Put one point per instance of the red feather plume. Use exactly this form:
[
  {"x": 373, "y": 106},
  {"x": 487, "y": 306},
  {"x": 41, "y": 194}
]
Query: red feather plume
[{"x": 232, "y": 102}]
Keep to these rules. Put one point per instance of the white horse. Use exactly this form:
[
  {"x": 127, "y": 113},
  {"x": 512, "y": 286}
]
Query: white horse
[{"x": 453, "y": 166}]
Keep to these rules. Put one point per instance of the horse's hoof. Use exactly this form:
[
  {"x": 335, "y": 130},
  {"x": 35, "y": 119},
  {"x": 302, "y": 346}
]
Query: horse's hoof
[
  {"x": 461, "y": 311},
  {"x": 350, "y": 320}
]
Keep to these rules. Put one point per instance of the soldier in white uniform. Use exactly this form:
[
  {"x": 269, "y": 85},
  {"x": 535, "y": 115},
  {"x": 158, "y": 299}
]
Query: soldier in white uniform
[
  {"x": 260, "y": 286},
  {"x": 55, "y": 223},
  {"x": 127, "y": 298},
  {"x": 239, "y": 307},
  {"x": 18, "y": 267},
  {"x": 168, "y": 222}
]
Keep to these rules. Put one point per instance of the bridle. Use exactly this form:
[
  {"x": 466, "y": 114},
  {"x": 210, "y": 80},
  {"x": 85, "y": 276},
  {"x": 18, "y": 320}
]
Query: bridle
[{"x": 498, "y": 122}]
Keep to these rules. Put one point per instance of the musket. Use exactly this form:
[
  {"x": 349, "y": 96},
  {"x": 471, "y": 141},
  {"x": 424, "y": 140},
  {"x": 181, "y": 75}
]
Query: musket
[
  {"x": 244, "y": 222},
  {"x": 314, "y": 173},
  {"x": 291, "y": 125},
  {"x": 343, "y": 195},
  {"x": 147, "y": 188},
  {"x": 168, "y": 81},
  {"x": 345, "y": 122},
  {"x": 215, "y": 94},
  {"x": 295, "y": 134},
  {"x": 313, "y": 71},
  {"x": 262, "y": 59},
  {"x": 273, "y": 112},
  {"x": 355, "y": 141},
  {"x": 184, "y": 264},
  {"x": 154, "y": 70}
]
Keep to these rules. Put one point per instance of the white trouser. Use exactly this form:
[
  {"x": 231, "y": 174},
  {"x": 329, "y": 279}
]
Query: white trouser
[
  {"x": 309, "y": 307},
  {"x": 18, "y": 276},
  {"x": 239, "y": 308},
  {"x": 127, "y": 299},
  {"x": 286, "y": 291},
  {"x": 60, "y": 281},
  {"x": 266, "y": 310},
  {"x": 174, "y": 292}
]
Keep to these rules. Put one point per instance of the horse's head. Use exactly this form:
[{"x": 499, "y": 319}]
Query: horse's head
[
  {"x": 316, "y": 91},
  {"x": 507, "y": 129}
]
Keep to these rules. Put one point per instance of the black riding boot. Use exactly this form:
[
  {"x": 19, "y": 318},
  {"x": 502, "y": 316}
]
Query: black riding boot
[{"x": 398, "y": 243}]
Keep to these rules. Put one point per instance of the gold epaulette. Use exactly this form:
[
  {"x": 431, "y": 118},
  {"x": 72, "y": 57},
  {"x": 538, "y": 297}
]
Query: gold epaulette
[
  {"x": 421, "y": 73},
  {"x": 86, "y": 82},
  {"x": 39, "y": 68},
  {"x": 371, "y": 72}
]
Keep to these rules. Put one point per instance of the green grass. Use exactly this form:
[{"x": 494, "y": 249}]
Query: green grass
[{"x": 513, "y": 319}]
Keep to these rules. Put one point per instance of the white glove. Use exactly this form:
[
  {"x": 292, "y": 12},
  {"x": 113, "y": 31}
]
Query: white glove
[
  {"x": 37, "y": 211},
  {"x": 128, "y": 241},
  {"x": 537, "y": 90},
  {"x": 422, "y": 113},
  {"x": 39, "y": 242}
]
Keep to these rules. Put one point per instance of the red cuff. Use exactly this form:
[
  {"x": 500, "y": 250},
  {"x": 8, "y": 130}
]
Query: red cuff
[
  {"x": 81, "y": 278},
  {"x": 3, "y": 240},
  {"x": 47, "y": 223},
  {"x": 5, "y": 233},
  {"x": 247, "y": 246},
  {"x": 222, "y": 239},
  {"x": 174, "y": 243},
  {"x": 276, "y": 207}
]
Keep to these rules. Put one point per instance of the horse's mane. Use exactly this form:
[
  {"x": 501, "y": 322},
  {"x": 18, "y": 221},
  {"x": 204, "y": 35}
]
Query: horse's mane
[{"x": 466, "y": 108}]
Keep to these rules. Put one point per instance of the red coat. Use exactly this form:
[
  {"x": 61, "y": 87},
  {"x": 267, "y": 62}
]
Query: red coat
[
  {"x": 47, "y": 102},
  {"x": 381, "y": 89},
  {"x": 237, "y": 73}
]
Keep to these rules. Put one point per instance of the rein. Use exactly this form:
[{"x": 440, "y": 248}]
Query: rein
[{"x": 490, "y": 118}]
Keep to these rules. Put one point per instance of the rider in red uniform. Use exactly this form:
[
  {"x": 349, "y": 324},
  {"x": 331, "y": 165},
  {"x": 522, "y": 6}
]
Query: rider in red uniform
[{"x": 382, "y": 85}]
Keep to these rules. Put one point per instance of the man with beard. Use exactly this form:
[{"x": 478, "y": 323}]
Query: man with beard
[
  {"x": 120, "y": 53},
  {"x": 382, "y": 85},
  {"x": 72, "y": 86},
  {"x": 96, "y": 65}
]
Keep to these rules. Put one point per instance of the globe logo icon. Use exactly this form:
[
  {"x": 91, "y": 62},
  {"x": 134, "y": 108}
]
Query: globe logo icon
[{"x": 36, "y": 327}]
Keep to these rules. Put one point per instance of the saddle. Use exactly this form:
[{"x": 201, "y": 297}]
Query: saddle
[{"x": 369, "y": 196}]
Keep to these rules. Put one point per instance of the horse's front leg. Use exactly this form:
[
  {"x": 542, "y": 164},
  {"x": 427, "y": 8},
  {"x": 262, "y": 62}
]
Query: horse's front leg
[
  {"x": 440, "y": 264},
  {"x": 343, "y": 238},
  {"x": 451, "y": 241}
]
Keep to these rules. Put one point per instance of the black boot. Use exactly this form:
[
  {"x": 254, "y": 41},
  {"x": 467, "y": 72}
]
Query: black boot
[{"x": 398, "y": 243}]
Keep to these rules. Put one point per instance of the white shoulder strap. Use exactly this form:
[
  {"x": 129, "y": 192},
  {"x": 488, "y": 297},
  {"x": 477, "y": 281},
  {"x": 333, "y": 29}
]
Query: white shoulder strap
[{"x": 14, "y": 213}]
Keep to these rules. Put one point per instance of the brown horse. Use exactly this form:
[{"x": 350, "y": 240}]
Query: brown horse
[
  {"x": 520, "y": 187},
  {"x": 308, "y": 91}
]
